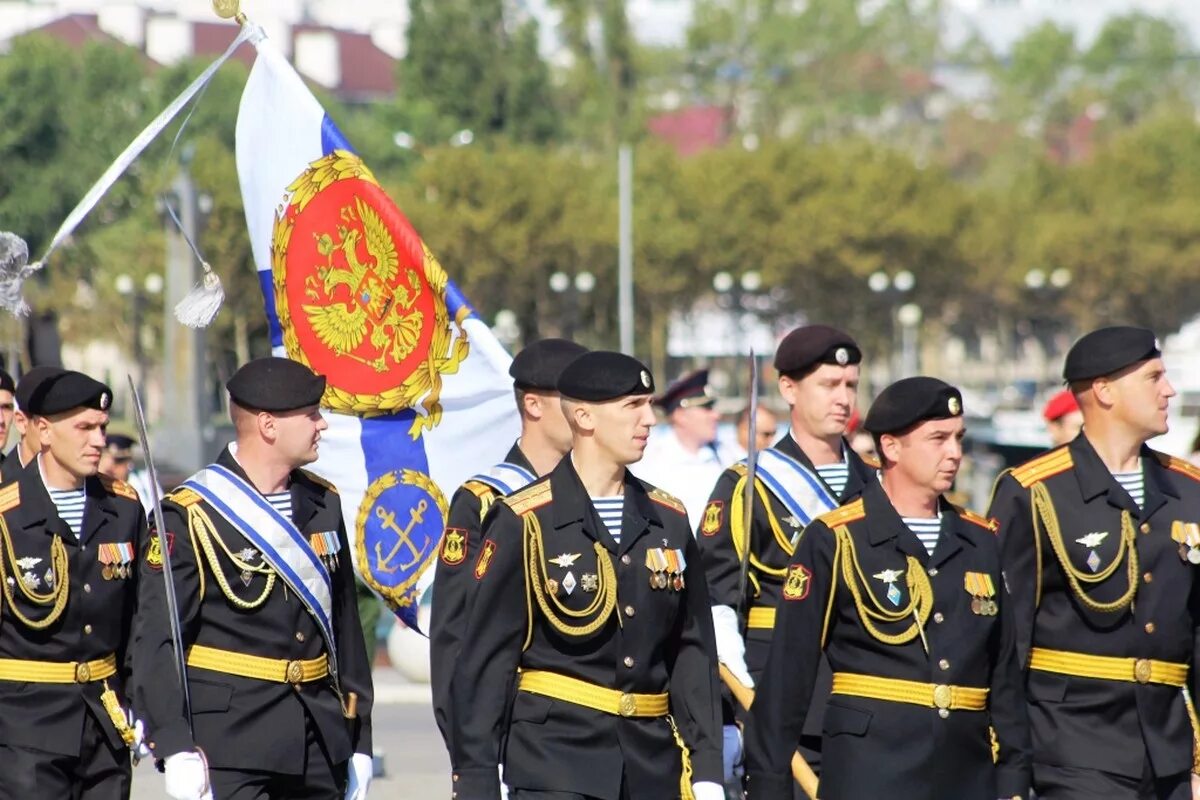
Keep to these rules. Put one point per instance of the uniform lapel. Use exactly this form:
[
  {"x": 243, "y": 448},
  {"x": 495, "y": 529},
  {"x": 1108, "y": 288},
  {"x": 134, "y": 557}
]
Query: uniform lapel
[
  {"x": 1095, "y": 479},
  {"x": 571, "y": 505},
  {"x": 883, "y": 523},
  {"x": 1157, "y": 485},
  {"x": 305, "y": 505},
  {"x": 950, "y": 541},
  {"x": 639, "y": 513},
  {"x": 859, "y": 473},
  {"x": 98, "y": 510}
]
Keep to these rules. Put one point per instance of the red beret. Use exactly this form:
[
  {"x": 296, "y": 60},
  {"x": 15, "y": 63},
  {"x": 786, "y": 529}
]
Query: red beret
[{"x": 1059, "y": 405}]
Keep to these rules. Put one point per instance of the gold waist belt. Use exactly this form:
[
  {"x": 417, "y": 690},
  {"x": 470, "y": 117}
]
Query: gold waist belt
[
  {"x": 276, "y": 670},
  {"x": 950, "y": 698},
  {"x": 589, "y": 695},
  {"x": 761, "y": 618},
  {"x": 1108, "y": 668},
  {"x": 15, "y": 669}
]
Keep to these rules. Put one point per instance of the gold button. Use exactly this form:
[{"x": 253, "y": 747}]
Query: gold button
[
  {"x": 1145, "y": 527},
  {"x": 626, "y": 560},
  {"x": 83, "y": 673},
  {"x": 456, "y": 778},
  {"x": 942, "y": 696},
  {"x": 944, "y": 664},
  {"x": 1148, "y": 577},
  {"x": 938, "y": 617},
  {"x": 629, "y": 661},
  {"x": 627, "y": 705},
  {"x": 1142, "y": 670},
  {"x": 294, "y": 673},
  {"x": 299, "y": 636},
  {"x": 1149, "y": 627},
  {"x": 87, "y": 628},
  {"x": 87, "y": 587},
  {"x": 629, "y": 611}
]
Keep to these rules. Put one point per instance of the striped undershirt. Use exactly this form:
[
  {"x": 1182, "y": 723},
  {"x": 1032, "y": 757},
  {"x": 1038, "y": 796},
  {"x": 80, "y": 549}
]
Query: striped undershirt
[
  {"x": 1134, "y": 483},
  {"x": 835, "y": 476},
  {"x": 281, "y": 502},
  {"x": 927, "y": 529},
  {"x": 610, "y": 510},
  {"x": 69, "y": 503}
]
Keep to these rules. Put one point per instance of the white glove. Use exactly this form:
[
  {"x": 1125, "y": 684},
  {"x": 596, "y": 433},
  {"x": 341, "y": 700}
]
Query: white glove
[
  {"x": 731, "y": 648},
  {"x": 186, "y": 776},
  {"x": 707, "y": 790},
  {"x": 361, "y": 769},
  {"x": 138, "y": 747},
  {"x": 503, "y": 786}
]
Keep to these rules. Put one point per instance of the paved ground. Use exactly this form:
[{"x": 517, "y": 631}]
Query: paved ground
[{"x": 415, "y": 763}]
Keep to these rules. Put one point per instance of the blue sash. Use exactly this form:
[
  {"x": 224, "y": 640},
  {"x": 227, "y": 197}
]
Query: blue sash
[
  {"x": 794, "y": 485},
  {"x": 506, "y": 478},
  {"x": 281, "y": 543}
]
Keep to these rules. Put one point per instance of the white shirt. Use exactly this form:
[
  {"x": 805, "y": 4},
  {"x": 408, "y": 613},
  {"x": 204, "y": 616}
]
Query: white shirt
[{"x": 689, "y": 476}]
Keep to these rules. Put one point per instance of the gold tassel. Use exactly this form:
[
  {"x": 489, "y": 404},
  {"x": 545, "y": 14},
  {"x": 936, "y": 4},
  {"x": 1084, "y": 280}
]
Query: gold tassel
[
  {"x": 108, "y": 698},
  {"x": 685, "y": 777}
]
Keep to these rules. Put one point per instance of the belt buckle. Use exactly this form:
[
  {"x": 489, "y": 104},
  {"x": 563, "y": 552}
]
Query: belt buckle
[
  {"x": 942, "y": 696},
  {"x": 294, "y": 672},
  {"x": 83, "y": 672},
  {"x": 1142, "y": 670},
  {"x": 627, "y": 705}
]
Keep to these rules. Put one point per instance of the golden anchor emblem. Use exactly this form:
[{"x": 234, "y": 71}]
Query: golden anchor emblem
[{"x": 404, "y": 538}]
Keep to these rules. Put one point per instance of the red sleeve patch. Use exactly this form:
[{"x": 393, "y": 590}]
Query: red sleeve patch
[
  {"x": 485, "y": 559},
  {"x": 454, "y": 546},
  {"x": 798, "y": 582},
  {"x": 154, "y": 556}
]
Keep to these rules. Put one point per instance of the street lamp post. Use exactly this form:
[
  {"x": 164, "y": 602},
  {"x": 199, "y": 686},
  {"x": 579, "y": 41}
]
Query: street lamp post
[
  {"x": 139, "y": 300},
  {"x": 893, "y": 289},
  {"x": 572, "y": 291},
  {"x": 1046, "y": 289}
]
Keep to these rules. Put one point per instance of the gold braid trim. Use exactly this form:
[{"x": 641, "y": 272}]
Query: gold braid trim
[
  {"x": 919, "y": 589},
  {"x": 1044, "y": 510},
  {"x": 685, "y": 776},
  {"x": 1191, "y": 711},
  {"x": 742, "y": 538},
  {"x": 57, "y": 597},
  {"x": 201, "y": 528},
  {"x": 535, "y": 578}
]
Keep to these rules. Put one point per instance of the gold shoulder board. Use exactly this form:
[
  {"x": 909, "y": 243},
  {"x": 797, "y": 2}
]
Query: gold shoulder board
[
  {"x": 1179, "y": 465},
  {"x": 529, "y": 498},
  {"x": 119, "y": 488},
  {"x": 10, "y": 497},
  {"x": 480, "y": 489},
  {"x": 871, "y": 462},
  {"x": 317, "y": 479},
  {"x": 978, "y": 519},
  {"x": 184, "y": 497},
  {"x": 846, "y": 514},
  {"x": 669, "y": 500},
  {"x": 740, "y": 469},
  {"x": 1043, "y": 467}
]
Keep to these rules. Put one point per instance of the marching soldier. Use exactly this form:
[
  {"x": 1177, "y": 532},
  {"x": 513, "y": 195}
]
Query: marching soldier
[
  {"x": 1100, "y": 540},
  {"x": 590, "y": 598},
  {"x": 279, "y": 682},
  {"x": 545, "y": 439},
  {"x": 26, "y": 395},
  {"x": 70, "y": 541},
  {"x": 903, "y": 592},
  {"x": 808, "y": 472}
]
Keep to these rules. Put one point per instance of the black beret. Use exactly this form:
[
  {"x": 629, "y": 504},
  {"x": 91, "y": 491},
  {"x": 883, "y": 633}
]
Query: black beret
[
  {"x": 6, "y": 382},
  {"x": 1108, "y": 350},
  {"x": 31, "y": 382},
  {"x": 810, "y": 345},
  {"x": 118, "y": 441},
  {"x": 911, "y": 400},
  {"x": 275, "y": 384},
  {"x": 687, "y": 392},
  {"x": 68, "y": 390},
  {"x": 601, "y": 375},
  {"x": 540, "y": 363}
]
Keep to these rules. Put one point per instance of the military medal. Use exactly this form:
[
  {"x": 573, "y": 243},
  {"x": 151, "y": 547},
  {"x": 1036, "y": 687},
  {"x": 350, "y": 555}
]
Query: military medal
[
  {"x": 656, "y": 562},
  {"x": 1188, "y": 536},
  {"x": 246, "y": 577},
  {"x": 326, "y": 545},
  {"x": 890, "y": 576},
  {"x": 566, "y": 560},
  {"x": 590, "y": 582},
  {"x": 981, "y": 588},
  {"x": 1092, "y": 541},
  {"x": 551, "y": 586},
  {"x": 31, "y": 580},
  {"x": 569, "y": 583}
]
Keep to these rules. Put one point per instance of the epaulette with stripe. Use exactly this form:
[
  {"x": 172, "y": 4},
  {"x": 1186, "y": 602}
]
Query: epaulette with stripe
[
  {"x": 871, "y": 462},
  {"x": 669, "y": 500},
  {"x": 740, "y": 469},
  {"x": 1178, "y": 465},
  {"x": 980, "y": 520},
  {"x": 480, "y": 489},
  {"x": 118, "y": 488},
  {"x": 10, "y": 497},
  {"x": 843, "y": 515},
  {"x": 1043, "y": 467},
  {"x": 317, "y": 479},
  {"x": 529, "y": 498},
  {"x": 184, "y": 497}
]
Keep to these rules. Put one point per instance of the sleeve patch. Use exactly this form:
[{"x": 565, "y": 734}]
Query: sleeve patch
[
  {"x": 798, "y": 583},
  {"x": 154, "y": 555},
  {"x": 485, "y": 559},
  {"x": 454, "y": 546},
  {"x": 714, "y": 513}
]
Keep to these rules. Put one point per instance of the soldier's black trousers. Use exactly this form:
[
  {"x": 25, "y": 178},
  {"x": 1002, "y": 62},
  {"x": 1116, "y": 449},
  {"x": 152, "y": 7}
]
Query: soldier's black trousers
[
  {"x": 534, "y": 794},
  {"x": 99, "y": 772},
  {"x": 1072, "y": 783},
  {"x": 320, "y": 779}
]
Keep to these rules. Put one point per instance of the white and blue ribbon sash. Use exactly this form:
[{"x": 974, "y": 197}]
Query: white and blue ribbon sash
[
  {"x": 795, "y": 486},
  {"x": 506, "y": 478},
  {"x": 281, "y": 543}
]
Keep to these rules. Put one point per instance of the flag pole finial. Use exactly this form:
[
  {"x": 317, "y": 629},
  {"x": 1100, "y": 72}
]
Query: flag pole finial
[{"x": 229, "y": 9}]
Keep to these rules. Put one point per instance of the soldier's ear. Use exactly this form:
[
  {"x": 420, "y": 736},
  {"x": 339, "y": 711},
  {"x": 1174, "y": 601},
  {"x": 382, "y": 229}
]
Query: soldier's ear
[
  {"x": 889, "y": 447},
  {"x": 267, "y": 425}
]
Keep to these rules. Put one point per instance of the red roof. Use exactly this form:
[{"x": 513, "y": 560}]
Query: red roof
[
  {"x": 212, "y": 38},
  {"x": 366, "y": 70},
  {"x": 76, "y": 30},
  {"x": 693, "y": 129}
]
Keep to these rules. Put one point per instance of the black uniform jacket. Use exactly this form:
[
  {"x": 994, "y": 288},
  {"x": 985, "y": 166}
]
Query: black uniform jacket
[
  {"x": 653, "y": 641},
  {"x": 454, "y": 585},
  {"x": 1084, "y": 722},
  {"x": 881, "y": 748},
  {"x": 95, "y": 621},
  {"x": 11, "y": 466},
  {"x": 771, "y": 547},
  {"x": 245, "y": 723}
]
